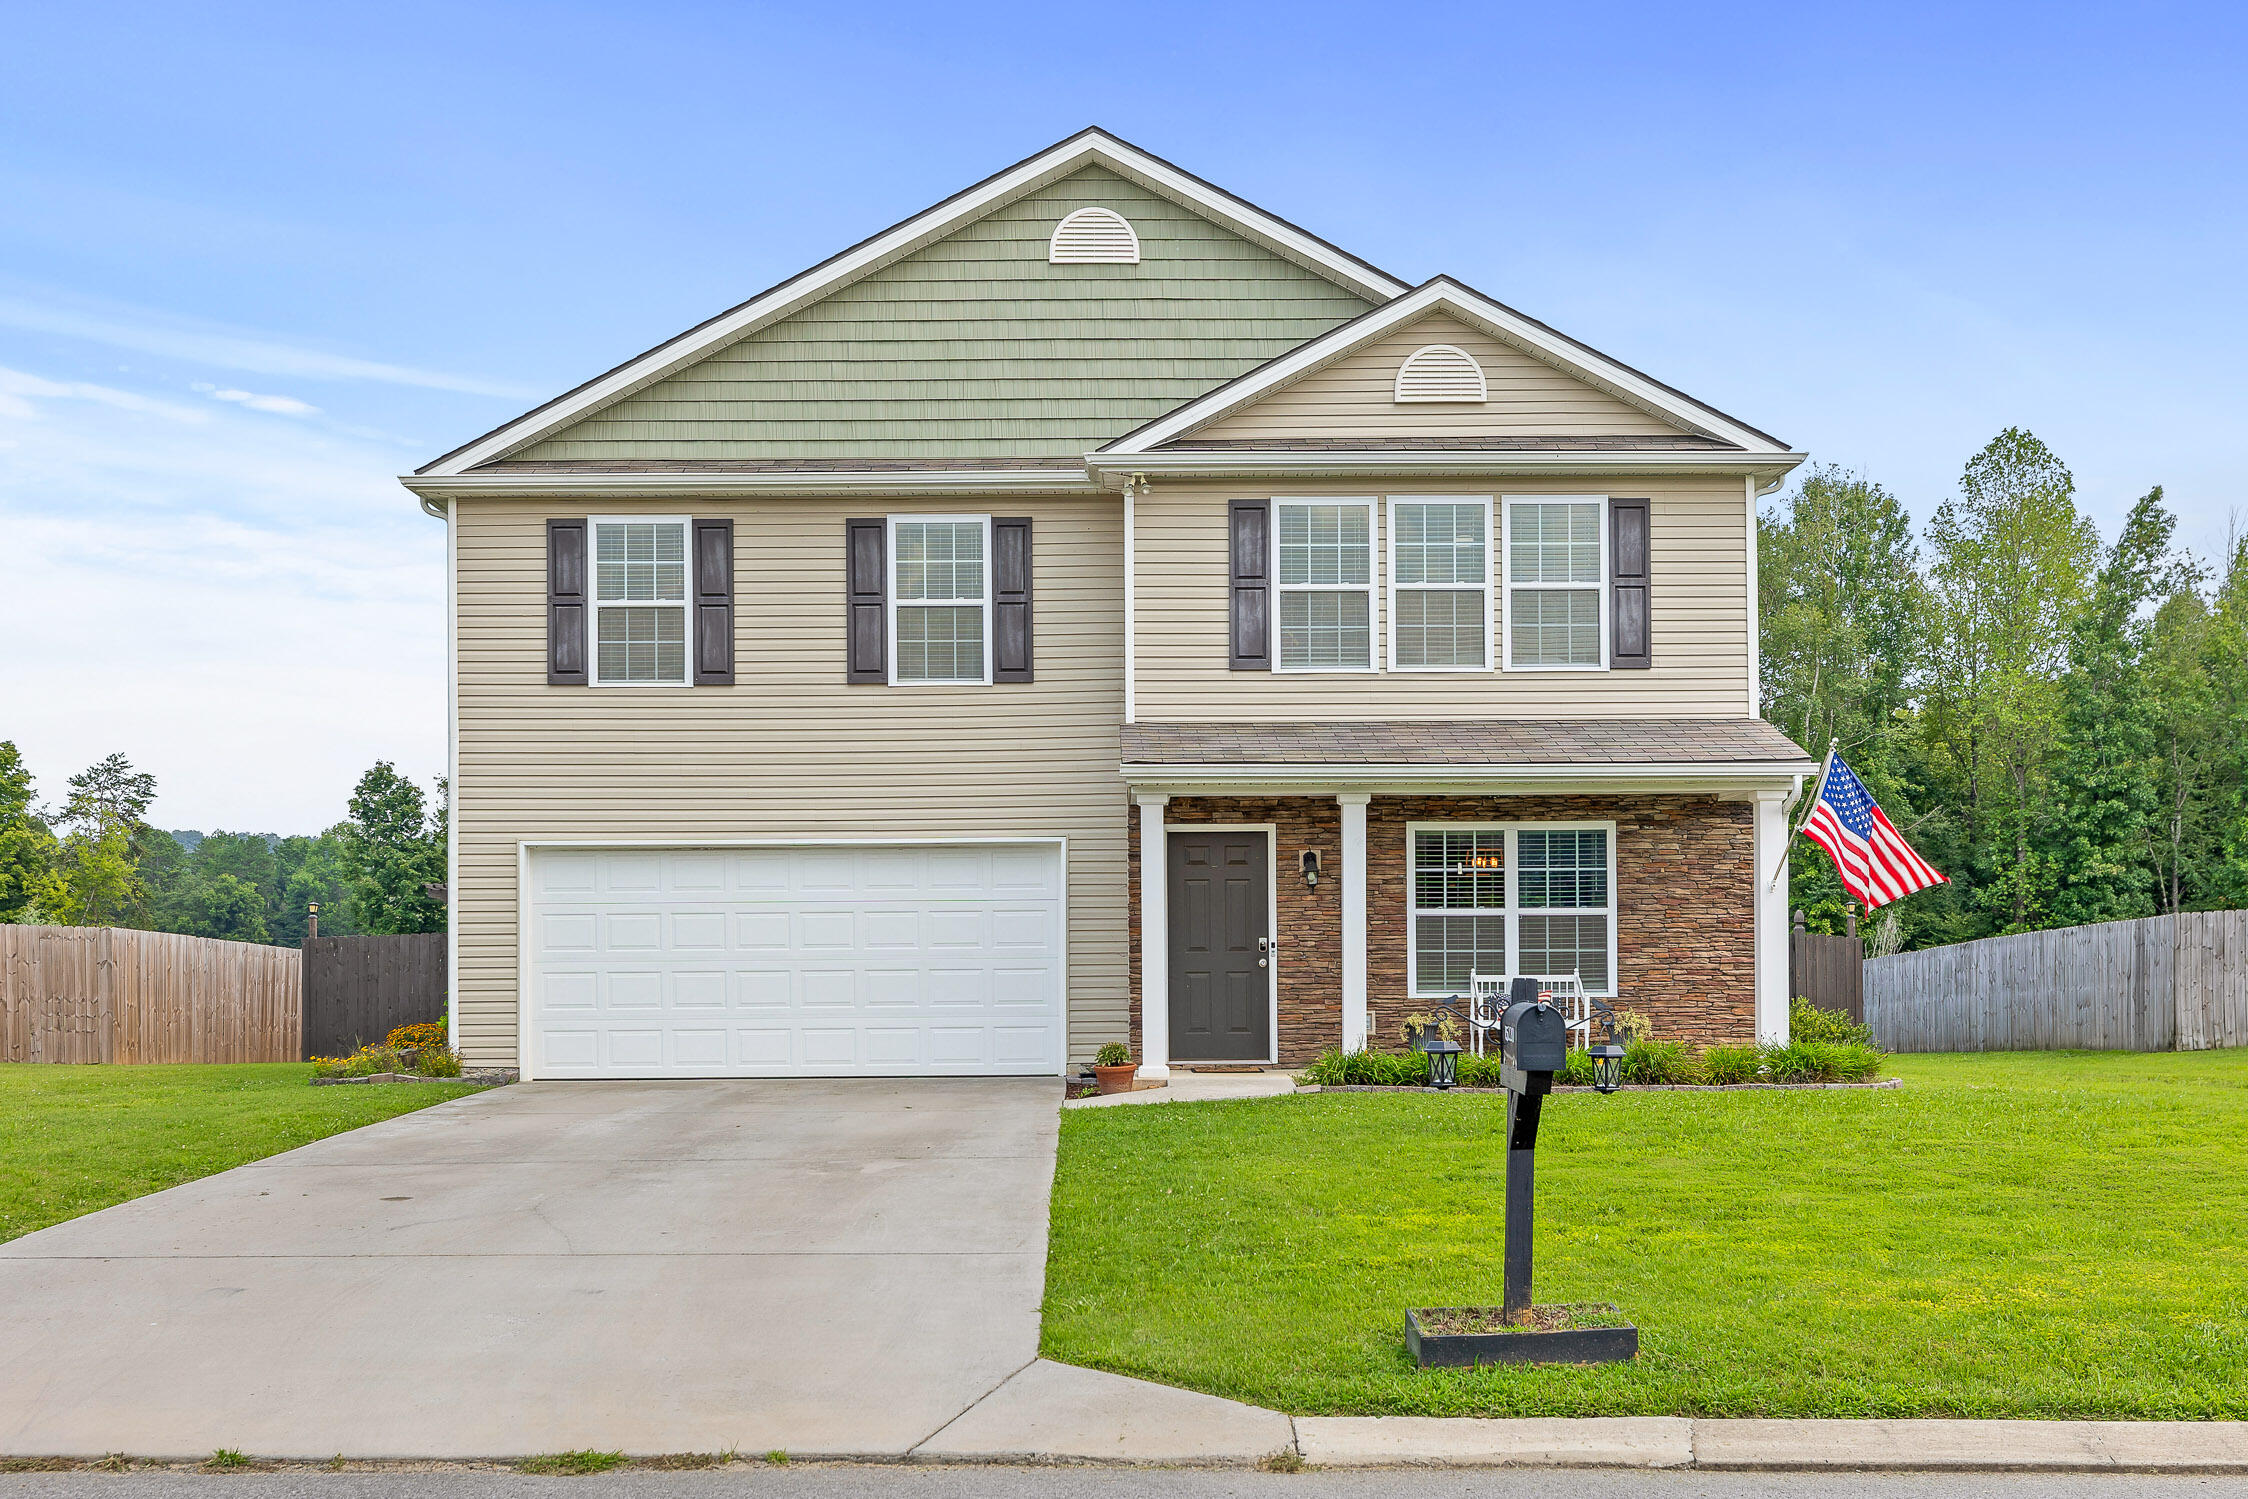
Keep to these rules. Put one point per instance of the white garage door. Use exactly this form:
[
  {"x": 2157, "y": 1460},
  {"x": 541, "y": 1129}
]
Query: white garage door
[{"x": 764, "y": 962}]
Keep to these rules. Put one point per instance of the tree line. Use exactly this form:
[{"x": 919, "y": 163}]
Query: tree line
[
  {"x": 2057, "y": 722},
  {"x": 95, "y": 860}
]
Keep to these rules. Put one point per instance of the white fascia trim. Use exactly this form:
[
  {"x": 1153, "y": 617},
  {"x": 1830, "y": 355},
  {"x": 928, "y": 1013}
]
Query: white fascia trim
[
  {"x": 1688, "y": 776},
  {"x": 1502, "y": 323},
  {"x": 790, "y": 481},
  {"x": 1085, "y": 149},
  {"x": 1453, "y": 461}
]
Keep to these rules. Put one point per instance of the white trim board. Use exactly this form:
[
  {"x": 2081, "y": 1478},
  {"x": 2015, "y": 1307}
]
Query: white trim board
[
  {"x": 1501, "y": 322},
  {"x": 1091, "y": 147}
]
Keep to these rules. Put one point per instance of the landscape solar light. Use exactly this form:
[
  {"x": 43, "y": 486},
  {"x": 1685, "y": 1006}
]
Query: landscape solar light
[
  {"x": 1607, "y": 1066},
  {"x": 1443, "y": 1063}
]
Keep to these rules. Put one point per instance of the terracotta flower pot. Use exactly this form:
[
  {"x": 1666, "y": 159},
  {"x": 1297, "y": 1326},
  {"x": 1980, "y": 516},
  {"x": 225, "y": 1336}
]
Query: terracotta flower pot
[{"x": 1117, "y": 1079}]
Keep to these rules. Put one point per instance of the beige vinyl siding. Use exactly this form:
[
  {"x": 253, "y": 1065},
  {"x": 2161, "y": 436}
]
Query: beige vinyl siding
[
  {"x": 1356, "y": 397},
  {"x": 975, "y": 346},
  {"x": 789, "y": 751},
  {"x": 1699, "y": 559}
]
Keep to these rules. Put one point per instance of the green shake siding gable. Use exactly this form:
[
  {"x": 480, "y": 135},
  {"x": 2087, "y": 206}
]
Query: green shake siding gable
[{"x": 975, "y": 347}]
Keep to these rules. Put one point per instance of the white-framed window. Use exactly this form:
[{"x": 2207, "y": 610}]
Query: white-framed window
[
  {"x": 1556, "y": 583},
  {"x": 1536, "y": 898},
  {"x": 639, "y": 600},
  {"x": 940, "y": 598},
  {"x": 1440, "y": 614},
  {"x": 1323, "y": 576}
]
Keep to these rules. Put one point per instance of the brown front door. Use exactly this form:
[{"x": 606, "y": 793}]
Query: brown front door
[{"x": 1221, "y": 959}]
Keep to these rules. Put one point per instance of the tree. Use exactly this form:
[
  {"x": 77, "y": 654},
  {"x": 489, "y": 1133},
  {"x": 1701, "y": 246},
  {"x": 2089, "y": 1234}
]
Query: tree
[
  {"x": 2010, "y": 555},
  {"x": 27, "y": 846},
  {"x": 101, "y": 849},
  {"x": 310, "y": 870},
  {"x": 2100, "y": 836},
  {"x": 230, "y": 907},
  {"x": 1842, "y": 606},
  {"x": 394, "y": 847}
]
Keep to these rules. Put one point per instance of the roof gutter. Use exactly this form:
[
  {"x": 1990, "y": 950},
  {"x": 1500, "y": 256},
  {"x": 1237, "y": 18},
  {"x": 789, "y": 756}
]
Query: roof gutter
[
  {"x": 790, "y": 482},
  {"x": 1114, "y": 469}
]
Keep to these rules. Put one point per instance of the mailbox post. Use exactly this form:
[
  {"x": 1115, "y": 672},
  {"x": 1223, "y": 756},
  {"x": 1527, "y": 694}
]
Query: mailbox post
[{"x": 1535, "y": 1045}]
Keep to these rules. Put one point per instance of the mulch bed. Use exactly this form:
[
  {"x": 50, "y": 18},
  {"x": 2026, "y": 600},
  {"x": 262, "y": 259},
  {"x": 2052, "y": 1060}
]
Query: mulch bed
[{"x": 1454, "y": 1321}]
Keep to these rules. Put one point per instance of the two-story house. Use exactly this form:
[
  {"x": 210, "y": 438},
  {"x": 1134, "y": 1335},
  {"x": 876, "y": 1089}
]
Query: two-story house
[{"x": 1096, "y": 609}]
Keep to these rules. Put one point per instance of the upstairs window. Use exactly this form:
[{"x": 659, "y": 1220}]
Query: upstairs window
[
  {"x": 940, "y": 587},
  {"x": 1440, "y": 584},
  {"x": 1556, "y": 577},
  {"x": 640, "y": 603},
  {"x": 1440, "y": 372},
  {"x": 1324, "y": 571},
  {"x": 1093, "y": 236}
]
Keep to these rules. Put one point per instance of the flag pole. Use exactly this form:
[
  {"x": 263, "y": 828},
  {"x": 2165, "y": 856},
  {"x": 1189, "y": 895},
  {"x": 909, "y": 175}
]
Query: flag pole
[{"x": 1807, "y": 807}]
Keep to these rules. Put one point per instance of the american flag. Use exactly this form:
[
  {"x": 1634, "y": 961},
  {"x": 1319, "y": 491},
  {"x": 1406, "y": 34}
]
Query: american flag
[{"x": 1876, "y": 864}]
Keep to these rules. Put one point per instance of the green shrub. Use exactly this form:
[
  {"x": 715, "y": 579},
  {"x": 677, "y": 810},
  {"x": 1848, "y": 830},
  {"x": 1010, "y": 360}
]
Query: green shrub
[
  {"x": 437, "y": 1061},
  {"x": 1725, "y": 1065},
  {"x": 1821, "y": 1062},
  {"x": 1658, "y": 1062},
  {"x": 1807, "y": 1022},
  {"x": 1114, "y": 1054},
  {"x": 1577, "y": 1072},
  {"x": 1337, "y": 1068}
]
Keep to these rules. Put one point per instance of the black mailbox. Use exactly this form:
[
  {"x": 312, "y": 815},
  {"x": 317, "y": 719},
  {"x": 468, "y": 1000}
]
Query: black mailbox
[{"x": 1537, "y": 1037}]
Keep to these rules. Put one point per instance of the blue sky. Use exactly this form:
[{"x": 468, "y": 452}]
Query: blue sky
[{"x": 256, "y": 260}]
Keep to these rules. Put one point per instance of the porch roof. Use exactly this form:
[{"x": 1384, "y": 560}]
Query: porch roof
[
  {"x": 1721, "y": 756},
  {"x": 1468, "y": 742}
]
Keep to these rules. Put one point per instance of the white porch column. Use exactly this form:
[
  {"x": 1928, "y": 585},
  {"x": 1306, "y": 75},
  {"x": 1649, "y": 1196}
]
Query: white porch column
[
  {"x": 1155, "y": 940},
  {"x": 1771, "y": 917},
  {"x": 1353, "y": 804}
]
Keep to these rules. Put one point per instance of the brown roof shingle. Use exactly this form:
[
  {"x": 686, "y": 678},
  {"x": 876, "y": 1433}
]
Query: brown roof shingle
[{"x": 1581, "y": 741}]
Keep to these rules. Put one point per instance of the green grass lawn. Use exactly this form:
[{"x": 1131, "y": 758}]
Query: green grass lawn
[
  {"x": 2028, "y": 1234},
  {"x": 74, "y": 1139}
]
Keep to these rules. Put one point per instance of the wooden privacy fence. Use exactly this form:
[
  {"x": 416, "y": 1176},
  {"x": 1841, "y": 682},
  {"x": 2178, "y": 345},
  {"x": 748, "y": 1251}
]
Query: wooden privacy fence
[
  {"x": 359, "y": 989},
  {"x": 1827, "y": 971},
  {"x": 106, "y": 994},
  {"x": 2159, "y": 984}
]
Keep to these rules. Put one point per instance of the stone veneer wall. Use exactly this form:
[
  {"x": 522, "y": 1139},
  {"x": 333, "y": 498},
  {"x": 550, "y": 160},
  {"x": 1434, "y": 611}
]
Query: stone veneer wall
[{"x": 1686, "y": 921}]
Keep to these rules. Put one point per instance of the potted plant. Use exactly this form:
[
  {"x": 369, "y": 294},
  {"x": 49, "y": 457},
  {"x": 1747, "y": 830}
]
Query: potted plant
[
  {"x": 1113, "y": 1069},
  {"x": 1421, "y": 1028}
]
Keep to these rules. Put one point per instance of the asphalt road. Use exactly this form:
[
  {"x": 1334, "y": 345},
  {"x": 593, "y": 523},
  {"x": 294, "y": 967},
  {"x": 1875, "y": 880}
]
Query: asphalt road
[{"x": 910, "y": 1482}]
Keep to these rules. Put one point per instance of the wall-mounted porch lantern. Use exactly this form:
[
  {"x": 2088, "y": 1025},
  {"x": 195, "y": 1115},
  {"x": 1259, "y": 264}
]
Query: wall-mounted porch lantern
[{"x": 1310, "y": 862}]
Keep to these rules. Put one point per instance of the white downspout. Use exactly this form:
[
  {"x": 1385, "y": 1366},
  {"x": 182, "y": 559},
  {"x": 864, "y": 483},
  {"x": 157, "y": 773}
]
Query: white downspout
[{"x": 1131, "y": 599}]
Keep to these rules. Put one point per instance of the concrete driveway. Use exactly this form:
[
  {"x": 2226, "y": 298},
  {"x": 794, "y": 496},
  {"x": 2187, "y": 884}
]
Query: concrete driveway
[{"x": 821, "y": 1266}]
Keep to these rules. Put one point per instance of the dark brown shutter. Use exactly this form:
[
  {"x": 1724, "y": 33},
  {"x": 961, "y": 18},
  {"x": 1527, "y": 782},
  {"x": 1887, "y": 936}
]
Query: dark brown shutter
[
  {"x": 565, "y": 603},
  {"x": 1010, "y": 600},
  {"x": 1251, "y": 616},
  {"x": 866, "y": 587},
  {"x": 714, "y": 603},
  {"x": 1629, "y": 642}
]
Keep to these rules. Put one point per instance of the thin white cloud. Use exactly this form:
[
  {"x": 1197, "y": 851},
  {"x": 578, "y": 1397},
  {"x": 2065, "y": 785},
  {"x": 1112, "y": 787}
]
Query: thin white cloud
[
  {"x": 224, "y": 348},
  {"x": 278, "y": 405},
  {"x": 18, "y": 388}
]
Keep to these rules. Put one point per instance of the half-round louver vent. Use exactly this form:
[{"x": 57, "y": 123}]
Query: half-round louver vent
[
  {"x": 1440, "y": 372},
  {"x": 1093, "y": 236}
]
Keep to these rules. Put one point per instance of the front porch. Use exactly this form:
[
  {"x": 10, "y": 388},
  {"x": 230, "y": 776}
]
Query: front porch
[{"x": 1306, "y": 908}]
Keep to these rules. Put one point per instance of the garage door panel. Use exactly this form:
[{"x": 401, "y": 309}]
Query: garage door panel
[{"x": 832, "y": 960}]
